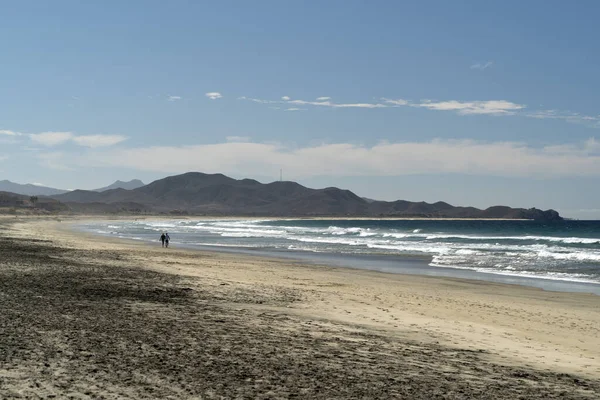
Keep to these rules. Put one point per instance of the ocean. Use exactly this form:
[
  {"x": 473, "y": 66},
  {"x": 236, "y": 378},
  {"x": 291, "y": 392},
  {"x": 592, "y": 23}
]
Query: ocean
[{"x": 559, "y": 255}]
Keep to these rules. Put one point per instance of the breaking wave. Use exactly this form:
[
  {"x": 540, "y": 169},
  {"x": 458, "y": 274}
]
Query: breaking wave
[{"x": 569, "y": 252}]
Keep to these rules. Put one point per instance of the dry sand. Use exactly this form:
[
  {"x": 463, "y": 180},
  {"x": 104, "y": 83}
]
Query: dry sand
[{"x": 91, "y": 317}]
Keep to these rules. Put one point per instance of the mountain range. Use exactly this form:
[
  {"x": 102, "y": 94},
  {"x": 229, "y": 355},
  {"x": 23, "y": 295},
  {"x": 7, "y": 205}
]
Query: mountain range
[
  {"x": 197, "y": 193},
  {"x": 130, "y": 185},
  {"x": 28, "y": 189},
  {"x": 38, "y": 190}
]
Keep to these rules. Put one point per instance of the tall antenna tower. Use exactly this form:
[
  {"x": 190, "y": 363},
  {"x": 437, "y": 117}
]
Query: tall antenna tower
[{"x": 281, "y": 175}]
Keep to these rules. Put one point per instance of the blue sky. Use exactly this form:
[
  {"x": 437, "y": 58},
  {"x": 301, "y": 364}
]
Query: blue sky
[{"x": 474, "y": 103}]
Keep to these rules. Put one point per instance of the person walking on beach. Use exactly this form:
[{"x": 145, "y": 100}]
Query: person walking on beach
[
  {"x": 163, "y": 237},
  {"x": 167, "y": 238}
]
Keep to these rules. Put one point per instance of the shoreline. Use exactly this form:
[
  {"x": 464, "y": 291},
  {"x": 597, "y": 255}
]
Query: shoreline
[
  {"x": 387, "y": 263},
  {"x": 414, "y": 265},
  {"x": 480, "y": 330}
]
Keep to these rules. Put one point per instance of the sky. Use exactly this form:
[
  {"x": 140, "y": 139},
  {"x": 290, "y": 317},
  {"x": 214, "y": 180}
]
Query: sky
[{"x": 473, "y": 103}]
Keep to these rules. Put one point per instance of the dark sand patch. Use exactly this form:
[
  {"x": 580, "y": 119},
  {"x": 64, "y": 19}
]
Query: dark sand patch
[{"x": 88, "y": 324}]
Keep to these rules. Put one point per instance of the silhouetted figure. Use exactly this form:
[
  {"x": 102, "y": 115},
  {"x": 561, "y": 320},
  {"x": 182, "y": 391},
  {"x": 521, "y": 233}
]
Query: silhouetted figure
[
  {"x": 167, "y": 238},
  {"x": 163, "y": 237}
]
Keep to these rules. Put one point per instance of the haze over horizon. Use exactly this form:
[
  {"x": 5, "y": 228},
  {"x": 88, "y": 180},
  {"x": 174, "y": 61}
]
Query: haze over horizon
[{"x": 469, "y": 103}]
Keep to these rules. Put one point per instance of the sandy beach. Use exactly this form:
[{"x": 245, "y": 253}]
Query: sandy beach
[{"x": 92, "y": 317}]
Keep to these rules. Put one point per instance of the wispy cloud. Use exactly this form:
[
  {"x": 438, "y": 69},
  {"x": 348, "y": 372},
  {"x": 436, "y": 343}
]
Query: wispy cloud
[
  {"x": 511, "y": 159},
  {"x": 324, "y": 103},
  {"x": 9, "y": 133},
  {"x": 3, "y": 157},
  {"x": 98, "y": 140},
  {"x": 482, "y": 66},
  {"x": 173, "y": 98},
  {"x": 294, "y": 109},
  {"x": 50, "y": 139},
  {"x": 460, "y": 107},
  {"x": 397, "y": 102},
  {"x": 214, "y": 95},
  {"x": 491, "y": 107},
  {"x": 328, "y": 103},
  {"x": 567, "y": 116},
  {"x": 261, "y": 101}
]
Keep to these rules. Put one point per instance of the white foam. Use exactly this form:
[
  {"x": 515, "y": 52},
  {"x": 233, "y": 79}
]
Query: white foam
[
  {"x": 568, "y": 240},
  {"x": 399, "y": 235},
  {"x": 490, "y": 254},
  {"x": 161, "y": 224},
  {"x": 575, "y": 255},
  {"x": 300, "y": 248},
  {"x": 555, "y": 276},
  {"x": 228, "y": 245},
  {"x": 364, "y": 232},
  {"x": 467, "y": 252}
]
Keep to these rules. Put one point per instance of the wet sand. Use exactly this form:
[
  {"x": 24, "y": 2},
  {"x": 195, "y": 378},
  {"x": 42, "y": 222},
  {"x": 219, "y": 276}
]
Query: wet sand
[{"x": 89, "y": 317}]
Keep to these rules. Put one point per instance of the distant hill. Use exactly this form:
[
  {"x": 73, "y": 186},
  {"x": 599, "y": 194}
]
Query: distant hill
[
  {"x": 368, "y": 200},
  {"x": 216, "y": 194},
  {"x": 28, "y": 189},
  {"x": 17, "y": 202},
  {"x": 132, "y": 184}
]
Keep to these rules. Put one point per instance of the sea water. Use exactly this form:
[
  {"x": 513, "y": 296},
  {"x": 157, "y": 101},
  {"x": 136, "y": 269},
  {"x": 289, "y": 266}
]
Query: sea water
[{"x": 566, "y": 251}]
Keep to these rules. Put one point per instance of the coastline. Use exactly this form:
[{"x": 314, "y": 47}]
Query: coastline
[
  {"x": 411, "y": 264},
  {"x": 278, "y": 218},
  {"x": 508, "y": 327}
]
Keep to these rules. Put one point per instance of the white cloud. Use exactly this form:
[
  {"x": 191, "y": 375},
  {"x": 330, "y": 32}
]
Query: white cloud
[
  {"x": 324, "y": 103},
  {"x": 9, "y": 133},
  {"x": 482, "y": 66},
  {"x": 98, "y": 140},
  {"x": 213, "y": 95},
  {"x": 337, "y": 105},
  {"x": 567, "y": 116},
  {"x": 294, "y": 109},
  {"x": 345, "y": 159},
  {"x": 476, "y": 107},
  {"x": 174, "y": 98},
  {"x": 261, "y": 101},
  {"x": 55, "y": 138},
  {"x": 491, "y": 107},
  {"x": 3, "y": 158},
  {"x": 397, "y": 102},
  {"x": 51, "y": 138}
]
